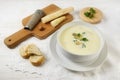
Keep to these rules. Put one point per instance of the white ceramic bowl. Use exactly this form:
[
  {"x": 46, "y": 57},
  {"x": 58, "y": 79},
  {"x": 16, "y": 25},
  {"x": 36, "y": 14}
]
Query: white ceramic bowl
[{"x": 84, "y": 59}]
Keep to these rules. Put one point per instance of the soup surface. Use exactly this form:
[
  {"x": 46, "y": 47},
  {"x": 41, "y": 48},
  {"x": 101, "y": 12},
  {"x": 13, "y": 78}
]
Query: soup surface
[{"x": 80, "y": 40}]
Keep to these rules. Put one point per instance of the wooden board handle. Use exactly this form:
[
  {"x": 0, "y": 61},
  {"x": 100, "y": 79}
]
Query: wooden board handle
[{"x": 17, "y": 38}]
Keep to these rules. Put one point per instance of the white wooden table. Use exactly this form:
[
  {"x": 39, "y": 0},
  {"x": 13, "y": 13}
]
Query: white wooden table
[{"x": 13, "y": 11}]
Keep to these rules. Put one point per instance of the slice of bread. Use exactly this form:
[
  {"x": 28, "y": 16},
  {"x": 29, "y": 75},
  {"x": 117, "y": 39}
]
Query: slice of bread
[
  {"x": 36, "y": 60},
  {"x": 33, "y": 50},
  {"x": 97, "y": 16},
  {"x": 23, "y": 52}
]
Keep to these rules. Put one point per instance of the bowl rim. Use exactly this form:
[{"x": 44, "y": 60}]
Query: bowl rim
[{"x": 70, "y": 24}]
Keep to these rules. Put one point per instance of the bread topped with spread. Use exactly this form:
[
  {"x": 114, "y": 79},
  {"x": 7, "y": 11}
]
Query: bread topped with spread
[{"x": 91, "y": 15}]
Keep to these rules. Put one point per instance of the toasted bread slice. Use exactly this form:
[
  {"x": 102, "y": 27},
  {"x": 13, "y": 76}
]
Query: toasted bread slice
[
  {"x": 36, "y": 60},
  {"x": 97, "y": 16},
  {"x": 33, "y": 50},
  {"x": 23, "y": 52}
]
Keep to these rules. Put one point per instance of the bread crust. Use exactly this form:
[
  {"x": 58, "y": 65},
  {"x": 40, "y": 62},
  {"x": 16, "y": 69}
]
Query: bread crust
[
  {"x": 23, "y": 52},
  {"x": 32, "y": 52},
  {"x": 37, "y": 60}
]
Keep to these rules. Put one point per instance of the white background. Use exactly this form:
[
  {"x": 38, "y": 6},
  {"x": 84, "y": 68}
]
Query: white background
[{"x": 13, "y": 11}]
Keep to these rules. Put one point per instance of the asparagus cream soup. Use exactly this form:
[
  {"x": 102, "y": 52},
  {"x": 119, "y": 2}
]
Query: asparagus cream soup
[{"x": 80, "y": 40}]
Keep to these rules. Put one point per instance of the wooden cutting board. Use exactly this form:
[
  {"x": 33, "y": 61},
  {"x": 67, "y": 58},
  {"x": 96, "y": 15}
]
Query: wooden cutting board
[{"x": 41, "y": 30}]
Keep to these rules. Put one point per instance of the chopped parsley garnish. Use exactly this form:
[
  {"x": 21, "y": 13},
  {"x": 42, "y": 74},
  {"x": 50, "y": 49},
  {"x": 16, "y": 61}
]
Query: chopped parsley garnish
[
  {"x": 92, "y": 10},
  {"x": 90, "y": 13},
  {"x": 79, "y": 34},
  {"x": 79, "y": 39},
  {"x": 84, "y": 39},
  {"x": 87, "y": 14}
]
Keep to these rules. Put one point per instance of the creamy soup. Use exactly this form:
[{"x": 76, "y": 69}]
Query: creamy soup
[{"x": 80, "y": 40}]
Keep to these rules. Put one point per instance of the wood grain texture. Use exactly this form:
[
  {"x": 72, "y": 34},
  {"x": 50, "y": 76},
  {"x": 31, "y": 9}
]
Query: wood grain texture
[{"x": 41, "y": 30}]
